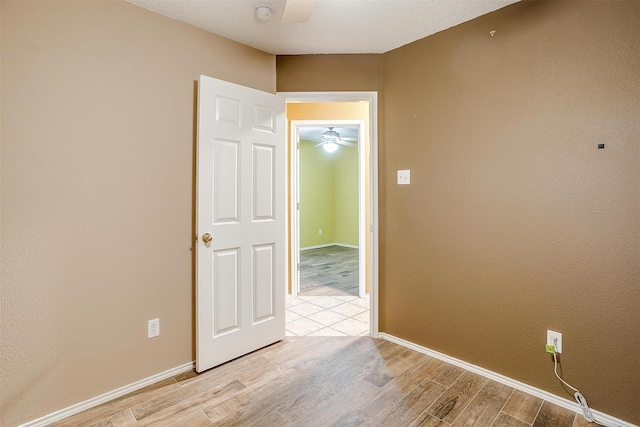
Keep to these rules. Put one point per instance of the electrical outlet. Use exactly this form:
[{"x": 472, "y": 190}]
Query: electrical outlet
[
  {"x": 153, "y": 328},
  {"x": 404, "y": 177},
  {"x": 320, "y": 231},
  {"x": 555, "y": 339}
]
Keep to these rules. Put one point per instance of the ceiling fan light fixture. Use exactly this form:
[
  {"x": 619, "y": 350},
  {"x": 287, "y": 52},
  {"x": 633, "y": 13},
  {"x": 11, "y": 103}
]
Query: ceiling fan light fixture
[
  {"x": 330, "y": 146},
  {"x": 332, "y": 139},
  {"x": 331, "y": 135}
]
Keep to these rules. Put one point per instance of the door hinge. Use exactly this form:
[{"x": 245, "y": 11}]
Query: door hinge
[
  {"x": 298, "y": 145},
  {"x": 298, "y": 266},
  {"x": 298, "y": 205}
]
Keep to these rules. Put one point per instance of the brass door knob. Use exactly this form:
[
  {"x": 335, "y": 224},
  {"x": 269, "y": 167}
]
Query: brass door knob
[{"x": 206, "y": 237}]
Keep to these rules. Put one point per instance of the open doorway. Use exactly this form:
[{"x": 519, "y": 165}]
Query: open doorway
[
  {"x": 330, "y": 232},
  {"x": 333, "y": 238}
]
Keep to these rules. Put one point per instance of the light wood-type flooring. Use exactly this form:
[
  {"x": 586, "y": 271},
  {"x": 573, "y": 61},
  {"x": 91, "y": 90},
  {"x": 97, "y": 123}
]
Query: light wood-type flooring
[
  {"x": 329, "y": 381},
  {"x": 329, "y": 271}
]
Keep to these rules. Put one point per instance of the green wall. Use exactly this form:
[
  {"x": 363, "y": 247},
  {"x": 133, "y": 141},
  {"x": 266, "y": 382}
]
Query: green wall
[
  {"x": 317, "y": 201},
  {"x": 328, "y": 196},
  {"x": 346, "y": 195}
]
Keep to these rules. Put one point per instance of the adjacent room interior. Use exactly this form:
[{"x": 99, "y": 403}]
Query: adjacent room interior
[
  {"x": 329, "y": 298},
  {"x": 520, "y": 128}
]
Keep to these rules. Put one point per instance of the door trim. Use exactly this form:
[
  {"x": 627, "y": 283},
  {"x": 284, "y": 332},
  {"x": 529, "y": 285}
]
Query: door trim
[{"x": 372, "y": 99}]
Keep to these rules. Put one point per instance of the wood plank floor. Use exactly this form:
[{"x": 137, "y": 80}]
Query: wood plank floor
[
  {"x": 329, "y": 381},
  {"x": 329, "y": 271}
]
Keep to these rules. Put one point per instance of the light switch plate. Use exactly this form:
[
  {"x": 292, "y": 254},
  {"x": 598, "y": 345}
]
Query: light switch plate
[{"x": 404, "y": 177}]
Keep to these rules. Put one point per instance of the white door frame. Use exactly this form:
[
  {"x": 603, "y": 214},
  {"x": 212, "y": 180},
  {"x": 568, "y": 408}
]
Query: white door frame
[
  {"x": 372, "y": 99},
  {"x": 295, "y": 191}
]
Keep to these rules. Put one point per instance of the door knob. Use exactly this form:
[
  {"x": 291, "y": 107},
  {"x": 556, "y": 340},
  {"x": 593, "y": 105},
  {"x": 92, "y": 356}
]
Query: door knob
[{"x": 206, "y": 237}]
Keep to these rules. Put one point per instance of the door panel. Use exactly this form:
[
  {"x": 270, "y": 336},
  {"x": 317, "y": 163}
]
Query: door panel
[
  {"x": 263, "y": 283},
  {"x": 263, "y": 180},
  {"x": 226, "y": 190},
  {"x": 241, "y": 198},
  {"x": 226, "y": 289}
]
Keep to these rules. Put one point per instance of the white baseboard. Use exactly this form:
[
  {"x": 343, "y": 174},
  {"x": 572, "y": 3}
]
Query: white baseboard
[
  {"x": 326, "y": 245},
  {"x": 557, "y": 400},
  {"x": 98, "y": 400},
  {"x": 344, "y": 245}
]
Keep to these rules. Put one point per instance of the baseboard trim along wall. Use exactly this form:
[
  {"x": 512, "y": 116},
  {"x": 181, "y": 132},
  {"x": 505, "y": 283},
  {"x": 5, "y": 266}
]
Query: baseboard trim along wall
[
  {"x": 326, "y": 245},
  {"x": 98, "y": 400},
  {"x": 556, "y": 400}
]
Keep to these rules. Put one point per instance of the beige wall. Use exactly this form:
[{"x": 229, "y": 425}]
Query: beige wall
[
  {"x": 97, "y": 195},
  {"x": 514, "y": 222},
  {"x": 300, "y": 73}
]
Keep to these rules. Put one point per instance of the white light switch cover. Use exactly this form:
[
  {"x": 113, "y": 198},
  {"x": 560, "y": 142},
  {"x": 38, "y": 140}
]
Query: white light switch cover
[{"x": 404, "y": 177}]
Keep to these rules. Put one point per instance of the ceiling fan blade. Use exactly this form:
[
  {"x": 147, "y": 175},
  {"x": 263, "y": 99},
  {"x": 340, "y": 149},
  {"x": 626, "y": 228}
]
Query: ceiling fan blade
[
  {"x": 318, "y": 145},
  {"x": 346, "y": 143},
  {"x": 297, "y": 11}
]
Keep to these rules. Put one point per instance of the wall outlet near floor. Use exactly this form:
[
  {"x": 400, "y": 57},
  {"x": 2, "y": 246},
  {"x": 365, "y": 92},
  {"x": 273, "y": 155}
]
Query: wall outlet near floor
[
  {"x": 555, "y": 339},
  {"x": 320, "y": 231},
  {"x": 153, "y": 328}
]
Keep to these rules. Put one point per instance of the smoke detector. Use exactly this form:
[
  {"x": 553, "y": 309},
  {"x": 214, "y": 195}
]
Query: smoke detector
[{"x": 263, "y": 12}]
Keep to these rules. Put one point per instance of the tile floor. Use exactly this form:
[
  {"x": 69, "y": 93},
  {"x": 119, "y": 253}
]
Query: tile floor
[{"x": 327, "y": 316}]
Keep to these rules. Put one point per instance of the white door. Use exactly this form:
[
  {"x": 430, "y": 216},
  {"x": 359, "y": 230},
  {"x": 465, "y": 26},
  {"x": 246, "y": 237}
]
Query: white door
[{"x": 241, "y": 184}]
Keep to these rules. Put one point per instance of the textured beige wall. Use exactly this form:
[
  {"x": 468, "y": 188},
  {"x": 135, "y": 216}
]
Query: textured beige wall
[
  {"x": 97, "y": 194},
  {"x": 514, "y": 222},
  {"x": 300, "y": 73}
]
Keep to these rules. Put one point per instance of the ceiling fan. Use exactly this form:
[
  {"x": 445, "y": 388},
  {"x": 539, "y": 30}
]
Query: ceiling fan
[
  {"x": 330, "y": 140},
  {"x": 297, "y": 11}
]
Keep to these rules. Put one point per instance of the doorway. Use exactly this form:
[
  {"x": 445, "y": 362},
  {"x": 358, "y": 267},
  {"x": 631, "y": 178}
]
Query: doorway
[
  {"x": 331, "y": 193},
  {"x": 361, "y": 138}
]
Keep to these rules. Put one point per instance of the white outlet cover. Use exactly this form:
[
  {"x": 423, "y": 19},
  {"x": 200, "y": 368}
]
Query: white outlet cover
[
  {"x": 552, "y": 337},
  {"x": 153, "y": 328},
  {"x": 404, "y": 177}
]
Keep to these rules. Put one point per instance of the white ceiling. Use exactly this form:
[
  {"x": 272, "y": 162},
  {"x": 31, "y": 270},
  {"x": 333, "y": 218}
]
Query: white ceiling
[{"x": 336, "y": 26}]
